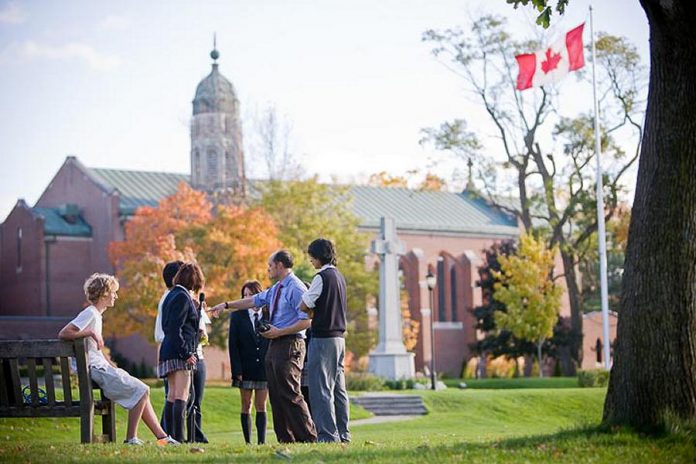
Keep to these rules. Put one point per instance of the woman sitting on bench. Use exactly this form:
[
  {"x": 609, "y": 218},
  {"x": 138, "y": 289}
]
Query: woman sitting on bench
[{"x": 117, "y": 384}]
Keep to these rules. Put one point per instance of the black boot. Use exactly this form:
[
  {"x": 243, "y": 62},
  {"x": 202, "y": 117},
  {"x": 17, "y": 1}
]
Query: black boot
[
  {"x": 246, "y": 427},
  {"x": 167, "y": 417},
  {"x": 178, "y": 419},
  {"x": 261, "y": 427}
]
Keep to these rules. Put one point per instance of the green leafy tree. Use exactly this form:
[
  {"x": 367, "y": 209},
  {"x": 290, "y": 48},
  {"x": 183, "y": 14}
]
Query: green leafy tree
[
  {"x": 658, "y": 308},
  {"x": 495, "y": 342},
  {"x": 532, "y": 299},
  {"x": 307, "y": 209}
]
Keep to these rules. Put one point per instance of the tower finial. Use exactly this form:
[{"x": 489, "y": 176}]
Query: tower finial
[{"x": 215, "y": 54}]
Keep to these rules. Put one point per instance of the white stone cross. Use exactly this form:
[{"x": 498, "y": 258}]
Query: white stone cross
[{"x": 390, "y": 358}]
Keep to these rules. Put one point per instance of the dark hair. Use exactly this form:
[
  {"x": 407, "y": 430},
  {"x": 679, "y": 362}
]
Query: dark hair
[
  {"x": 322, "y": 250},
  {"x": 169, "y": 271},
  {"x": 190, "y": 276},
  {"x": 253, "y": 285},
  {"x": 284, "y": 257}
]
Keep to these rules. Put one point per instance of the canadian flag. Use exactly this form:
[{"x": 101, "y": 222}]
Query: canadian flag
[{"x": 553, "y": 63}]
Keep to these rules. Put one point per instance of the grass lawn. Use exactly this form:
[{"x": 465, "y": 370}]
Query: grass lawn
[
  {"x": 513, "y": 383},
  {"x": 472, "y": 425}
]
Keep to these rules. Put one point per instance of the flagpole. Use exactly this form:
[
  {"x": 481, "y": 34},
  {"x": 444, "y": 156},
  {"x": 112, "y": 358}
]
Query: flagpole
[{"x": 600, "y": 213}]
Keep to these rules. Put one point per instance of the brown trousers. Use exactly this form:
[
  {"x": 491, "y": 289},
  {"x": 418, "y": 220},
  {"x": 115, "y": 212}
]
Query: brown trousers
[{"x": 291, "y": 419}]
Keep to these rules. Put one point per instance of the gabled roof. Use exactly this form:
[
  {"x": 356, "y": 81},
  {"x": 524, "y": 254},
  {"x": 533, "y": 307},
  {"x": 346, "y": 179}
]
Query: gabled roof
[
  {"x": 139, "y": 188},
  {"x": 430, "y": 211},
  {"x": 421, "y": 211},
  {"x": 55, "y": 224}
]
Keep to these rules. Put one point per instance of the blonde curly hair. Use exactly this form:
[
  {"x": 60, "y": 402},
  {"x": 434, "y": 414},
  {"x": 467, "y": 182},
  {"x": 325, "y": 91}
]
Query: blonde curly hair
[{"x": 97, "y": 285}]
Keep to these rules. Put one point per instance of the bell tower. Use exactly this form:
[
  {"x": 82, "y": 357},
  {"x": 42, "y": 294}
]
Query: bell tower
[{"x": 217, "y": 156}]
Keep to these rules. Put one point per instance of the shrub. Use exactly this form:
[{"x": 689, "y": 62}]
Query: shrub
[
  {"x": 399, "y": 384},
  {"x": 362, "y": 381},
  {"x": 593, "y": 378}
]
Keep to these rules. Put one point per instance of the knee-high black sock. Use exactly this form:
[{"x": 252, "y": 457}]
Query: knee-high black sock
[
  {"x": 261, "y": 427},
  {"x": 177, "y": 427},
  {"x": 246, "y": 427},
  {"x": 167, "y": 417}
]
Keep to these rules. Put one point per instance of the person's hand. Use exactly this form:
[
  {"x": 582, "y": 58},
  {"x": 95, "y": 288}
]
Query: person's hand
[
  {"x": 98, "y": 339},
  {"x": 273, "y": 332},
  {"x": 216, "y": 310},
  {"x": 192, "y": 360}
]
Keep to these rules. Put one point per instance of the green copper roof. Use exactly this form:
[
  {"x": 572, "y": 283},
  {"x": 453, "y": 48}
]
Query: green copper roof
[
  {"x": 139, "y": 188},
  {"x": 430, "y": 211},
  {"x": 424, "y": 211},
  {"x": 55, "y": 224}
]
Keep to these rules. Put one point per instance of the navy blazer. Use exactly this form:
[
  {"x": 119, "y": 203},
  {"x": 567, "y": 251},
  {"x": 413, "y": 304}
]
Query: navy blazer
[
  {"x": 247, "y": 348},
  {"x": 180, "y": 319}
]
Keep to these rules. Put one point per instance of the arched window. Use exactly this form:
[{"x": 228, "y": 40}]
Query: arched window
[
  {"x": 196, "y": 165},
  {"x": 441, "y": 310},
  {"x": 453, "y": 292},
  {"x": 230, "y": 168},
  {"x": 211, "y": 167},
  {"x": 19, "y": 249}
]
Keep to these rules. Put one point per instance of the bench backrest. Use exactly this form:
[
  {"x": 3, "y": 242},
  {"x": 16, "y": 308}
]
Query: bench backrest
[{"x": 20, "y": 355}]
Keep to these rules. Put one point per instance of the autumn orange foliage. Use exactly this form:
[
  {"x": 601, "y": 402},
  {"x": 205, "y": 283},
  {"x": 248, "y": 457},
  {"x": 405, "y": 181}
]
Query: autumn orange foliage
[{"x": 231, "y": 246}]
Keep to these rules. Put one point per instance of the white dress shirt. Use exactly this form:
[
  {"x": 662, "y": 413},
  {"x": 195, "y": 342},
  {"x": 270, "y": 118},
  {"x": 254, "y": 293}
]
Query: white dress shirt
[{"x": 315, "y": 288}]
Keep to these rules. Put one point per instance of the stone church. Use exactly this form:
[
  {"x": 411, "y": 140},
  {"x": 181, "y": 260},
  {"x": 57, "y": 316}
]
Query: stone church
[{"x": 48, "y": 249}]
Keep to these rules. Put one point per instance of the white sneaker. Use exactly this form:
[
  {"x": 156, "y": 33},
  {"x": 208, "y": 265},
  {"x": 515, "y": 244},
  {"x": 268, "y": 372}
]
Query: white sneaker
[
  {"x": 167, "y": 441},
  {"x": 134, "y": 441}
]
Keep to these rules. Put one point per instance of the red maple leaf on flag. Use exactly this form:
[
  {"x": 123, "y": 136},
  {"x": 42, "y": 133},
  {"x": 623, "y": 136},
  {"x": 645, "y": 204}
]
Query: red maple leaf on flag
[{"x": 551, "y": 61}]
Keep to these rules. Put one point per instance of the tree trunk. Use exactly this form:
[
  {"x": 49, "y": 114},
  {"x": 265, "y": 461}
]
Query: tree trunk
[
  {"x": 541, "y": 363},
  {"x": 654, "y": 371},
  {"x": 571, "y": 281}
]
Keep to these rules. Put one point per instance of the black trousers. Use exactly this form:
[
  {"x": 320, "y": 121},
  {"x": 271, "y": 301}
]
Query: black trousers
[{"x": 195, "y": 415}]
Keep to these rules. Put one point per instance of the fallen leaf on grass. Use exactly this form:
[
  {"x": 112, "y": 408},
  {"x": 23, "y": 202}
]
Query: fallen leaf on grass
[{"x": 196, "y": 449}]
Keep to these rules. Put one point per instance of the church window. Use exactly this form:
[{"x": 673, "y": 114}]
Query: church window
[
  {"x": 212, "y": 167},
  {"x": 197, "y": 165},
  {"x": 229, "y": 168},
  {"x": 453, "y": 289},
  {"x": 19, "y": 249},
  {"x": 441, "y": 313}
]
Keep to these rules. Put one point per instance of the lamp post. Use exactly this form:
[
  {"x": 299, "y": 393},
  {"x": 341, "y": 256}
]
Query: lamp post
[{"x": 431, "y": 281}]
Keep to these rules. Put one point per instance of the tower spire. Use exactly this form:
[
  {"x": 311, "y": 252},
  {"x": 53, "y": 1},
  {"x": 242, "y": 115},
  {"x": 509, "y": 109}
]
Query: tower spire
[{"x": 215, "y": 54}]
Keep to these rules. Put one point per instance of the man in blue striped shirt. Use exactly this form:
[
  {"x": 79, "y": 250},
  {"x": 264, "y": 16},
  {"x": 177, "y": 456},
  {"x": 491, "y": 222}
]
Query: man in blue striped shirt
[{"x": 286, "y": 351}]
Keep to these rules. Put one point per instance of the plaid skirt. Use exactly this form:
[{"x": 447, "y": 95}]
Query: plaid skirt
[
  {"x": 171, "y": 365},
  {"x": 250, "y": 384}
]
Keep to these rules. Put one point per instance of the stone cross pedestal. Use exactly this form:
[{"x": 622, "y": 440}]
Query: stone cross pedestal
[{"x": 390, "y": 358}]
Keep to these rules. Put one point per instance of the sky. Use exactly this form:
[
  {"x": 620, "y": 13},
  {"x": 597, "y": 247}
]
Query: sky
[{"x": 111, "y": 82}]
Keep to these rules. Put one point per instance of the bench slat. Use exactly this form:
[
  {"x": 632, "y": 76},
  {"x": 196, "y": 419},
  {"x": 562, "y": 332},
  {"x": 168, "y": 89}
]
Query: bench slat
[
  {"x": 65, "y": 375},
  {"x": 16, "y": 385},
  {"x": 35, "y": 348},
  {"x": 33, "y": 381},
  {"x": 48, "y": 378},
  {"x": 54, "y": 411}
]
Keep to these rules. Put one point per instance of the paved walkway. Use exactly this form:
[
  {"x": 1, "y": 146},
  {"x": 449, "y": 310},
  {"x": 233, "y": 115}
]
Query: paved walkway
[{"x": 382, "y": 419}]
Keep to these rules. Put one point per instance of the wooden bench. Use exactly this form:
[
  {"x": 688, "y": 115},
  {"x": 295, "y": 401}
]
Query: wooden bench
[{"x": 18, "y": 355}]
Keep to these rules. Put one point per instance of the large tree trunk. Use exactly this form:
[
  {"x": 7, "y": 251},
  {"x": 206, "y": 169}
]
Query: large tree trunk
[
  {"x": 654, "y": 370},
  {"x": 575, "y": 300}
]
